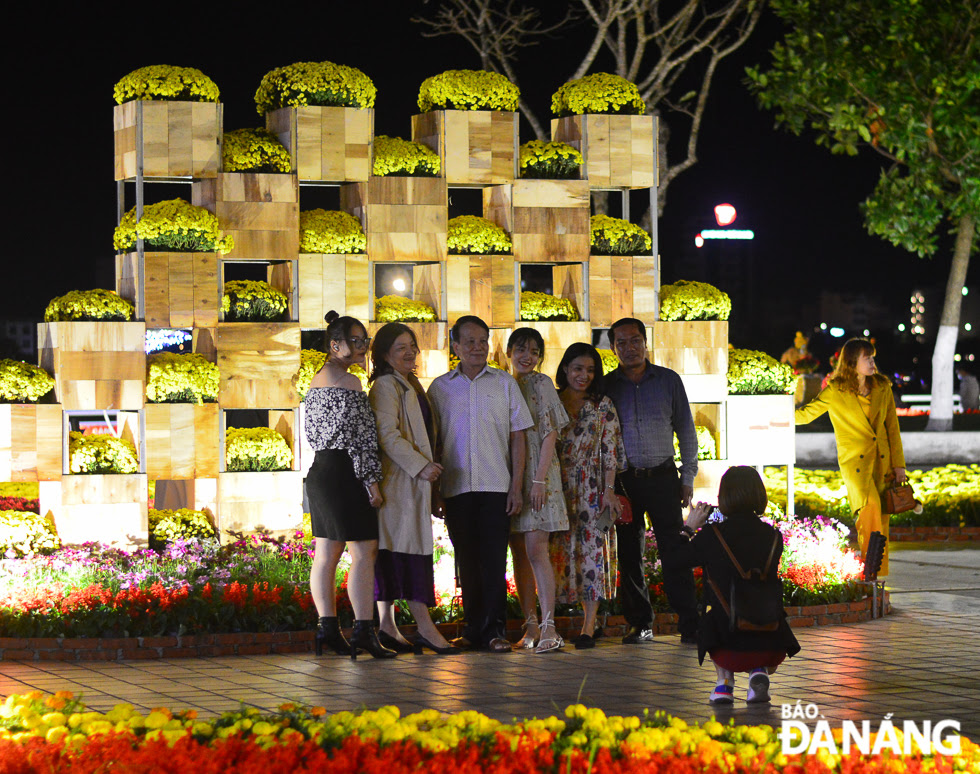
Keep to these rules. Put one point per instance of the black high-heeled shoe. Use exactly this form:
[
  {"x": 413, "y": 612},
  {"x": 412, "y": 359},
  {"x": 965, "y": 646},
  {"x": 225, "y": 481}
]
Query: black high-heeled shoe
[
  {"x": 328, "y": 633},
  {"x": 394, "y": 644},
  {"x": 420, "y": 642},
  {"x": 365, "y": 638}
]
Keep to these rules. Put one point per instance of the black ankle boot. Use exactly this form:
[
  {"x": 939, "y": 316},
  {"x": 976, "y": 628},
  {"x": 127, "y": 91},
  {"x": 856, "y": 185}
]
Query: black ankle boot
[
  {"x": 365, "y": 638},
  {"x": 328, "y": 633}
]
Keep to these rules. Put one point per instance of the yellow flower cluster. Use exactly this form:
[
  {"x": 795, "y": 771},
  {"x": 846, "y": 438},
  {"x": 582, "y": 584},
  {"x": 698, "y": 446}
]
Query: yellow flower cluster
[
  {"x": 615, "y": 236},
  {"x": 399, "y": 309},
  {"x": 22, "y": 382},
  {"x": 310, "y": 361},
  {"x": 101, "y": 454},
  {"x": 165, "y": 82},
  {"x": 314, "y": 83},
  {"x": 473, "y": 235},
  {"x": 174, "y": 224},
  {"x": 549, "y": 160},
  {"x": 454, "y": 361},
  {"x": 256, "y": 448},
  {"x": 707, "y": 445},
  {"x": 395, "y": 156},
  {"x": 27, "y": 489},
  {"x": 690, "y": 300},
  {"x": 254, "y": 150},
  {"x": 88, "y": 305},
  {"x": 252, "y": 300},
  {"x": 542, "y": 306},
  {"x": 167, "y": 526},
  {"x": 598, "y": 93},
  {"x": 174, "y": 378},
  {"x": 24, "y": 534},
  {"x": 751, "y": 372},
  {"x": 468, "y": 90},
  {"x": 609, "y": 360},
  {"x": 330, "y": 232}
]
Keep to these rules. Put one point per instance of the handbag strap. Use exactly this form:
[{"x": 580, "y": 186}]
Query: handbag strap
[
  {"x": 718, "y": 595},
  {"x": 738, "y": 567}
]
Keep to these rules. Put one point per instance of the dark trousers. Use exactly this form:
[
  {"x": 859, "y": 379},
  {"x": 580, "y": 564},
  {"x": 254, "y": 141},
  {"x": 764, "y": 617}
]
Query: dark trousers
[
  {"x": 479, "y": 528},
  {"x": 659, "y": 497}
]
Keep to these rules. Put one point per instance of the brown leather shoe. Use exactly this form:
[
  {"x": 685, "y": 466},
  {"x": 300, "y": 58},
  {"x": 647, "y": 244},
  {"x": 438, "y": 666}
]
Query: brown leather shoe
[{"x": 499, "y": 645}]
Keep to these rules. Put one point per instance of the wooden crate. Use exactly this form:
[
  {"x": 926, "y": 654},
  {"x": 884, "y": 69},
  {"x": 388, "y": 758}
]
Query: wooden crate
[
  {"x": 182, "y": 440},
  {"x": 30, "y": 442},
  {"x": 611, "y": 289},
  {"x": 698, "y": 351},
  {"x": 431, "y": 336},
  {"x": 617, "y": 151},
  {"x": 646, "y": 288},
  {"x": 708, "y": 478},
  {"x": 175, "y": 139},
  {"x": 761, "y": 430},
  {"x": 482, "y": 285},
  {"x": 180, "y": 290},
  {"x": 569, "y": 281},
  {"x": 96, "y": 365},
  {"x": 257, "y": 361},
  {"x": 557, "y": 338},
  {"x": 281, "y": 275},
  {"x": 338, "y": 282},
  {"x": 108, "y": 509},
  {"x": 248, "y": 502},
  {"x": 428, "y": 285},
  {"x": 198, "y": 494},
  {"x": 548, "y": 220},
  {"x": 283, "y": 421},
  {"x": 404, "y": 218},
  {"x": 477, "y": 147},
  {"x": 333, "y": 144},
  {"x": 259, "y": 211},
  {"x": 712, "y": 416}
]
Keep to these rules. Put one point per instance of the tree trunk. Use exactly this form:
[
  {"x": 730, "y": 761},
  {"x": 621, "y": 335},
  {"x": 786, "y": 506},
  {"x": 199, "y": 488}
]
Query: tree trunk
[{"x": 941, "y": 406}]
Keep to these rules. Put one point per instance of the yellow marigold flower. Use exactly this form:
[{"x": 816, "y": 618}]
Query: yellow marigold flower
[
  {"x": 56, "y": 734},
  {"x": 165, "y": 82},
  {"x": 598, "y": 93},
  {"x": 468, "y": 90}
]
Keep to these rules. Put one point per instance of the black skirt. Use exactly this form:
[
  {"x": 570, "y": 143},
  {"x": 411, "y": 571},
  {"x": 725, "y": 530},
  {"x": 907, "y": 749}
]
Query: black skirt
[{"x": 339, "y": 507}]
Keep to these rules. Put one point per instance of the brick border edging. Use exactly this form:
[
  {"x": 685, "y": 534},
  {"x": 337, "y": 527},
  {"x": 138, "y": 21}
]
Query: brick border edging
[
  {"x": 909, "y": 534},
  {"x": 77, "y": 649}
]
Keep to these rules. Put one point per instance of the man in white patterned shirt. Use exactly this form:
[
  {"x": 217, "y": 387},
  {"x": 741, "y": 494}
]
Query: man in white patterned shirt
[{"x": 481, "y": 416}]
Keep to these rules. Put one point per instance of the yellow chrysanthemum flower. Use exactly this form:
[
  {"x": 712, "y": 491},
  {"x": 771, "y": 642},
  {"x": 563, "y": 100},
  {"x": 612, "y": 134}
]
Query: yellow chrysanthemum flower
[
  {"x": 314, "y": 83},
  {"x": 473, "y": 235},
  {"x": 689, "y": 300},
  {"x": 254, "y": 150},
  {"x": 615, "y": 236},
  {"x": 165, "y": 82},
  {"x": 468, "y": 90},
  {"x": 598, "y": 93},
  {"x": 330, "y": 232}
]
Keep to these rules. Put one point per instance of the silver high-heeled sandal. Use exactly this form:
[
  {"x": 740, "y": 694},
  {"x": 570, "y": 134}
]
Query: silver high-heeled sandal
[
  {"x": 547, "y": 644},
  {"x": 531, "y": 634}
]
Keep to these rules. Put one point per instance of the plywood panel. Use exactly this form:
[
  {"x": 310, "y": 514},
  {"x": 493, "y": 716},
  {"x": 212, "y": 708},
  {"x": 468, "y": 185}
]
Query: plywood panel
[
  {"x": 248, "y": 502},
  {"x": 182, "y": 441},
  {"x": 110, "y": 509},
  {"x": 332, "y": 144},
  {"x": 477, "y": 147},
  {"x": 338, "y": 282},
  {"x": 618, "y": 151},
  {"x": 257, "y": 362},
  {"x": 178, "y": 139}
]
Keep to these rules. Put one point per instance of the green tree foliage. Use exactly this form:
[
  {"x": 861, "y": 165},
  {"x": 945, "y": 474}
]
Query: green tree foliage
[{"x": 901, "y": 77}]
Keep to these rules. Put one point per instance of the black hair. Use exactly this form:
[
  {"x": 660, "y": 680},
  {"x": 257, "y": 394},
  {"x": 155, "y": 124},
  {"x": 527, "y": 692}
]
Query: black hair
[
  {"x": 383, "y": 341},
  {"x": 579, "y": 349},
  {"x": 525, "y": 336},
  {"x": 741, "y": 491},
  {"x": 623, "y": 321},
  {"x": 466, "y": 319},
  {"x": 339, "y": 328}
]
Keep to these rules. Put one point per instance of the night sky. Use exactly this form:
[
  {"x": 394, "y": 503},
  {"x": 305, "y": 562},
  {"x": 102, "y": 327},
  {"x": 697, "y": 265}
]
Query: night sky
[{"x": 801, "y": 201}]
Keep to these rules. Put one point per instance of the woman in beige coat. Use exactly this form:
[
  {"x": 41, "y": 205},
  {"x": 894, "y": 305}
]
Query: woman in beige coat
[
  {"x": 869, "y": 447},
  {"x": 404, "y": 567}
]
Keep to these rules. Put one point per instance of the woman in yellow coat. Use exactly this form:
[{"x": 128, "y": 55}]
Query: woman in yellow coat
[{"x": 869, "y": 447}]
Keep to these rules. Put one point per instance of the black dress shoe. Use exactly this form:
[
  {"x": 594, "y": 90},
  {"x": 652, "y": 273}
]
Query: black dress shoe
[
  {"x": 420, "y": 642},
  {"x": 689, "y": 639},
  {"x": 638, "y": 634},
  {"x": 583, "y": 642},
  {"x": 393, "y": 643}
]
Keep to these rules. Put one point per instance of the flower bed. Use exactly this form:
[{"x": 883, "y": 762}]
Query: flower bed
[{"x": 49, "y": 733}]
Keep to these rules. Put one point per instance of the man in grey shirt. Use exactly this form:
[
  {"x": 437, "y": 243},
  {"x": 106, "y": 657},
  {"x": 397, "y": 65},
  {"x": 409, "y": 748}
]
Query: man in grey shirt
[{"x": 652, "y": 405}]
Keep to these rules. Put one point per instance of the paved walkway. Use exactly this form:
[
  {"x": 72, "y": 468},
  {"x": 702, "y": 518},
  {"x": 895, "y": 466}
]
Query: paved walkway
[{"x": 920, "y": 663}]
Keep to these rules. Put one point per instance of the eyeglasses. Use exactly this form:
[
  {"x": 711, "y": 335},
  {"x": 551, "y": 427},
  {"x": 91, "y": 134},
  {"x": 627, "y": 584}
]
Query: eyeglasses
[{"x": 359, "y": 342}]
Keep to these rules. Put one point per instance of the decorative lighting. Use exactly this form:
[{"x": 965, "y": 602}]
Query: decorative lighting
[
  {"x": 901, "y": 326},
  {"x": 727, "y": 233},
  {"x": 399, "y": 285},
  {"x": 957, "y": 357},
  {"x": 161, "y": 338},
  {"x": 968, "y": 327},
  {"x": 836, "y": 332},
  {"x": 699, "y": 241},
  {"x": 964, "y": 291},
  {"x": 823, "y": 326},
  {"x": 725, "y": 214},
  {"x": 867, "y": 332}
]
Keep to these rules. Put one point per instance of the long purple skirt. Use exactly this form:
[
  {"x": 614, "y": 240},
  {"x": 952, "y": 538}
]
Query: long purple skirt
[{"x": 404, "y": 576}]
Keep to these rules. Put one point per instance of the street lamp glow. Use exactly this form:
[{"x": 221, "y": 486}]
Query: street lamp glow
[
  {"x": 823, "y": 326},
  {"x": 725, "y": 214},
  {"x": 399, "y": 285},
  {"x": 901, "y": 326},
  {"x": 968, "y": 327},
  {"x": 867, "y": 332},
  {"x": 836, "y": 332},
  {"x": 964, "y": 291}
]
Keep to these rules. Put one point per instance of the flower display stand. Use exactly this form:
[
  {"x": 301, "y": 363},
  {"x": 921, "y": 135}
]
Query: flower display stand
[
  {"x": 646, "y": 287},
  {"x": 281, "y": 275},
  {"x": 257, "y": 362},
  {"x": 477, "y": 147},
  {"x": 271, "y": 501},
  {"x": 699, "y": 352},
  {"x": 259, "y": 211},
  {"x": 338, "y": 282},
  {"x": 761, "y": 430},
  {"x": 181, "y": 289},
  {"x": 708, "y": 478},
  {"x": 110, "y": 509},
  {"x": 611, "y": 288},
  {"x": 30, "y": 442},
  {"x": 557, "y": 336},
  {"x": 617, "y": 151},
  {"x": 96, "y": 365},
  {"x": 404, "y": 218},
  {"x": 482, "y": 285},
  {"x": 171, "y": 139},
  {"x": 182, "y": 441},
  {"x": 334, "y": 144},
  {"x": 548, "y": 220}
]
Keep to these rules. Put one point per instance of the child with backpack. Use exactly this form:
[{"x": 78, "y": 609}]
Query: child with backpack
[{"x": 743, "y": 627}]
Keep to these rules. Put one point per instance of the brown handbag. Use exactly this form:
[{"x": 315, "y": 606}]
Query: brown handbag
[{"x": 898, "y": 498}]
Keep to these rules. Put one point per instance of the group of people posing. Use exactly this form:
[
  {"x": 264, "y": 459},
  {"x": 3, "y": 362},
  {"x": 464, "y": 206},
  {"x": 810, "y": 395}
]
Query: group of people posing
[{"x": 508, "y": 460}]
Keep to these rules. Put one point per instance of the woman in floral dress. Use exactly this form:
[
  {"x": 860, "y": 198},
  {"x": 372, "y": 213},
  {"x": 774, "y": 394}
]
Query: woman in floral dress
[
  {"x": 544, "y": 510},
  {"x": 590, "y": 449}
]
